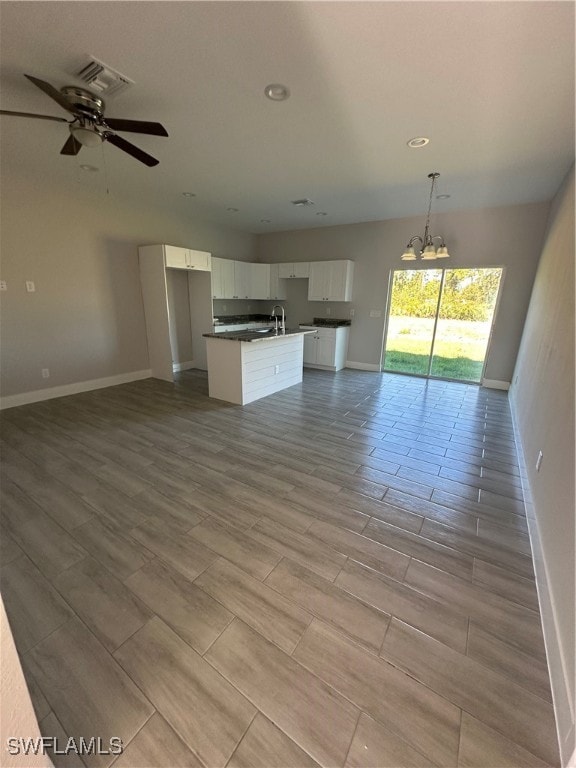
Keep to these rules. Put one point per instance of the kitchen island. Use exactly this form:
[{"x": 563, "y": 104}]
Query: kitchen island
[{"x": 244, "y": 366}]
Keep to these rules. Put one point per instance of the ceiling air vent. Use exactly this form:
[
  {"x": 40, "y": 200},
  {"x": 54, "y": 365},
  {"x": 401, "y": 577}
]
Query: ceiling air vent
[
  {"x": 303, "y": 202},
  {"x": 102, "y": 79}
]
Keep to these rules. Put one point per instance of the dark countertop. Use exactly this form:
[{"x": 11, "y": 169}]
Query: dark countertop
[
  {"x": 328, "y": 322},
  {"x": 266, "y": 334},
  {"x": 241, "y": 319}
]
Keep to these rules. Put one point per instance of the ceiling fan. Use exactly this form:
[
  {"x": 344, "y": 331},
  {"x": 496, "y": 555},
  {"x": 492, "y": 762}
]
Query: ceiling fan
[{"x": 89, "y": 127}]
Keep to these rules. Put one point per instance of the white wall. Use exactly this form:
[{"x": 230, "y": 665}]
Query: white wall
[
  {"x": 86, "y": 320},
  {"x": 542, "y": 398},
  {"x": 510, "y": 236}
]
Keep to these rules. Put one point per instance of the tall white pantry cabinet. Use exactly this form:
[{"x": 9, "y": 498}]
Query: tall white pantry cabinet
[{"x": 173, "y": 327}]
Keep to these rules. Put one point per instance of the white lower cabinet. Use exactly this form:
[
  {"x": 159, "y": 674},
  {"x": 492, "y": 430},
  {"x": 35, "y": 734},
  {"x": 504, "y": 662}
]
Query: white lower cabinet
[{"x": 326, "y": 348}]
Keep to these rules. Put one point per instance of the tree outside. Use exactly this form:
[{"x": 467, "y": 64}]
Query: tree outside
[{"x": 463, "y": 328}]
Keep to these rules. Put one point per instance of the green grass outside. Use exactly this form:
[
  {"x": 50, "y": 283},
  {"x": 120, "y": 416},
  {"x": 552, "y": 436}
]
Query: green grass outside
[{"x": 459, "y": 352}]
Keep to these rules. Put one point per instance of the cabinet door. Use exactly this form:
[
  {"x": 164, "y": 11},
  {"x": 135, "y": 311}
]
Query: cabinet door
[
  {"x": 341, "y": 274},
  {"x": 319, "y": 285},
  {"x": 301, "y": 269},
  {"x": 277, "y": 286},
  {"x": 216, "y": 278},
  {"x": 176, "y": 258},
  {"x": 260, "y": 281},
  {"x": 241, "y": 286},
  {"x": 285, "y": 270},
  {"x": 310, "y": 348},
  {"x": 199, "y": 260},
  {"x": 341, "y": 348},
  {"x": 326, "y": 347},
  {"x": 222, "y": 276}
]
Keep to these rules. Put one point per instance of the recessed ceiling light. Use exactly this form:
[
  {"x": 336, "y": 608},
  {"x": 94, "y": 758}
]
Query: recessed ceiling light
[
  {"x": 418, "y": 141},
  {"x": 89, "y": 168},
  {"x": 442, "y": 197},
  {"x": 189, "y": 194},
  {"x": 321, "y": 213},
  {"x": 277, "y": 92},
  {"x": 265, "y": 221},
  {"x": 233, "y": 210},
  {"x": 302, "y": 202}
]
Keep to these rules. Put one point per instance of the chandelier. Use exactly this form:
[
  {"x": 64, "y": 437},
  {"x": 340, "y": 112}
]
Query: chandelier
[{"x": 428, "y": 249}]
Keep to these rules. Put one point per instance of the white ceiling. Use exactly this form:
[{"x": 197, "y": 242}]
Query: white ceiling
[{"x": 490, "y": 83}]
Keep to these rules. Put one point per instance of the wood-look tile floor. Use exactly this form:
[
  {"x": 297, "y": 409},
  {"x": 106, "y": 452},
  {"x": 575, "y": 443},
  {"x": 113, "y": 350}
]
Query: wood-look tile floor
[{"x": 336, "y": 575}]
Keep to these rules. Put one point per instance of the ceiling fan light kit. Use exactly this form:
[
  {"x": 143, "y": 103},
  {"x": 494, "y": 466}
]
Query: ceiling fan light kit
[
  {"x": 428, "y": 250},
  {"x": 89, "y": 127}
]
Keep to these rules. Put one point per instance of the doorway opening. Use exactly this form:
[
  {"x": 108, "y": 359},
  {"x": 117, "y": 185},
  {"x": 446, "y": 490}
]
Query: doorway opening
[{"x": 440, "y": 322}]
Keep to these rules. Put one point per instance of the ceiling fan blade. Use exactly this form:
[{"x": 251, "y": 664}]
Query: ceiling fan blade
[
  {"x": 126, "y": 146},
  {"x": 72, "y": 146},
  {"x": 31, "y": 114},
  {"x": 136, "y": 126},
  {"x": 49, "y": 90}
]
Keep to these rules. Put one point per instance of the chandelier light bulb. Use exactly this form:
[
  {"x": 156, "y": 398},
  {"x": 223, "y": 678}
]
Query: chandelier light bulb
[{"x": 409, "y": 254}]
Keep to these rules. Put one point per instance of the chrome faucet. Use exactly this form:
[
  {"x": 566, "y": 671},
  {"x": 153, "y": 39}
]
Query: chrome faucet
[{"x": 274, "y": 317}]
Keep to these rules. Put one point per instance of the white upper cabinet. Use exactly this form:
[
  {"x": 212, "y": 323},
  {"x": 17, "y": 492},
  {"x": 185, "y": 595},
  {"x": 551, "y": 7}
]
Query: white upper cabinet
[
  {"x": 222, "y": 278},
  {"x": 297, "y": 269},
  {"x": 277, "y": 286},
  {"x": 185, "y": 258},
  {"x": 242, "y": 280},
  {"x": 331, "y": 280},
  {"x": 260, "y": 281}
]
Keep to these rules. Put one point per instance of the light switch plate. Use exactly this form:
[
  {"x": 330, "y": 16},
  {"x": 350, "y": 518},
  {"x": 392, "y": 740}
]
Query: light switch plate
[
  {"x": 375, "y": 313},
  {"x": 30, "y": 287}
]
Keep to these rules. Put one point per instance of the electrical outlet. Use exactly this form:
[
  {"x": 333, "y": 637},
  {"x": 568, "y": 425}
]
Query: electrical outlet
[
  {"x": 276, "y": 369},
  {"x": 45, "y": 373},
  {"x": 30, "y": 287},
  {"x": 224, "y": 307},
  {"x": 375, "y": 313},
  {"x": 539, "y": 461},
  {"x": 3, "y": 286},
  {"x": 352, "y": 312},
  {"x": 328, "y": 310}
]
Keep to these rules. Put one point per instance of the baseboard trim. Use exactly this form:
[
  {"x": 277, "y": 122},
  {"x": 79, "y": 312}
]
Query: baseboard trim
[
  {"x": 185, "y": 366},
  {"x": 564, "y": 716},
  {"x": 495, "y": 384},
  {"x": 25, "y": 398},
  {"x": 362, "y": 366}
]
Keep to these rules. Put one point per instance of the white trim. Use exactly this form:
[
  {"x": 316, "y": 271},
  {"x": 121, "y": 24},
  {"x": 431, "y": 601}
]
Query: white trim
[
  {"x": 559, "y": 683},
  {"x": 362, "y": 366},
  {"x": 11, "y": 401},
  {"x": 495, "y": 384},
  {"x": 185, "y": 366}
]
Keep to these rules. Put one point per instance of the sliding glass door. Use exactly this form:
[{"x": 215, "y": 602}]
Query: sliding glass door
[{"x": 439, "y": 322}]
